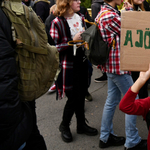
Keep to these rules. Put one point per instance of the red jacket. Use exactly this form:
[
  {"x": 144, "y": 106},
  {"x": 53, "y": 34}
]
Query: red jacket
[{"x": 130, "y": 106}]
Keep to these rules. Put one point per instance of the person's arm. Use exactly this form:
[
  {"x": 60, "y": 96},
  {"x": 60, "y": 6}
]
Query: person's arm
[
  {"x": 136, "y": 107},
  {"x": 58, "y": 36},
  {"x": 143, "y": 77}
]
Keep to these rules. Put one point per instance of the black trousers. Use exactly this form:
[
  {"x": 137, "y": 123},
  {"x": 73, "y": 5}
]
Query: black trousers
[
  {"x": 143, "y": 93},
  {"x": 36, "y": 140},
  {"x": 76, "y": 97}
]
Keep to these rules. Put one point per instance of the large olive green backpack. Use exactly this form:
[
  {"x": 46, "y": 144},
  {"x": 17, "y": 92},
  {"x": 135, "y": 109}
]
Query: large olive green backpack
[{"x": 37, "y": 61}]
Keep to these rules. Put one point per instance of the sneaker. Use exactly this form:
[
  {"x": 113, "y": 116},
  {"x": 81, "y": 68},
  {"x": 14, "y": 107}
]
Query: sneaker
[
  {"x": 101, "y": 79},
  {"x": 52, "y": 89},
  {"x": 88, "y": 97}
]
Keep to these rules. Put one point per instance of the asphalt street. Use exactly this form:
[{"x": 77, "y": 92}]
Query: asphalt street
[{"x": 49, "y": 115}]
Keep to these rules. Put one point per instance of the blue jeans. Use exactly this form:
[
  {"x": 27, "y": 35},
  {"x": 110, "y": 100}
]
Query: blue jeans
[{"x": 118, "y": 84}]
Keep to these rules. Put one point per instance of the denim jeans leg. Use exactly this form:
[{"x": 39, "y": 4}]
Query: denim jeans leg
[
  {"x": 121, "y": 83},
  {"x": 132, "y": 135},
  {"x": 112, "y": 101},
  {"x": 124, "y": 82}
]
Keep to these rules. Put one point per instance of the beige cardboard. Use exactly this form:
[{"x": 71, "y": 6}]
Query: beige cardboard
[{"x": 135, "y": 24}]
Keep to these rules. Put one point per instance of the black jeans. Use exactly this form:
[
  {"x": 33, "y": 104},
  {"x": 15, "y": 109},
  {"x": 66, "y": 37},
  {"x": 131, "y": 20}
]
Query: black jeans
[
  {"x": 76, "y": 97},
  {"x": 36, "y": 140}
]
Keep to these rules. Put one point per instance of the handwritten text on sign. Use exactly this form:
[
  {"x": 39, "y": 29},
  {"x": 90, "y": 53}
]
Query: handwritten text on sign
[{"x": 144, "y": 36}]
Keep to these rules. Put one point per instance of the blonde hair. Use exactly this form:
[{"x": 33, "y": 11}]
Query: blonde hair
[
  {"x": 141, "y": 5},
  {"x": 63, "y": 6}
]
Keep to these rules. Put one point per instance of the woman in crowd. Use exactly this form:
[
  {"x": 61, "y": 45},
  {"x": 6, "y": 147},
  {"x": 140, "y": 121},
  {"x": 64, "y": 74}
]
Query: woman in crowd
[{"x": 73, "y": 77}]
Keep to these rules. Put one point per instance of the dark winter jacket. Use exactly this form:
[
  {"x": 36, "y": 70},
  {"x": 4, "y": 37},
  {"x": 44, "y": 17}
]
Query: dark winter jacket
[
  {"x": 96, "y": 7},
  {"x": 42, "y": 9},
  {"x": 47, "y": 27},
  {"x": 28, "y": 3},
  {"x": 15, "y": 116},
  {"x": 85, "y": 12},
  {"x": 52, "y": 2}
]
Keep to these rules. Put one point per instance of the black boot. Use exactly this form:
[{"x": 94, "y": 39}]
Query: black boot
[
  {"x": 85, "y": 129},
  {"x": 65, "y": 133}
]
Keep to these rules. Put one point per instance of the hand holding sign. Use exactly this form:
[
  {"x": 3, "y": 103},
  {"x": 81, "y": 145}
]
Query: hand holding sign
[{"x": 127, "y": 5}]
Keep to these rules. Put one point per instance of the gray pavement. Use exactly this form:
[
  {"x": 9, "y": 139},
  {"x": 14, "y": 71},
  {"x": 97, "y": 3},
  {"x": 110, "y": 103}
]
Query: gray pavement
[{"x": 49, "y": 115}]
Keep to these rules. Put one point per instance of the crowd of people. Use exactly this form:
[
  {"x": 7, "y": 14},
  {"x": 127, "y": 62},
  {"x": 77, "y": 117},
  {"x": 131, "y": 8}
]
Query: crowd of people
[{"x": 64, "y": 22}]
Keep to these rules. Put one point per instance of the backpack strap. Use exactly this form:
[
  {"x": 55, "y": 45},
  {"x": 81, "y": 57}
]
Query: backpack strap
[
  {"x": 113, "y": 42},
  {"x": 95, "y": 23},
  {"x": 102, "y": 14},
  {"x": 97, "y": 20}
]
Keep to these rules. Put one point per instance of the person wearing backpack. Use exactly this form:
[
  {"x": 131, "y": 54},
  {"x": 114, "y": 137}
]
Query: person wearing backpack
[
  {"x": 73, "y": 78},
  {"x": 15, "y": 116},
  {"x": 88, "y": 96},
  {"x": 130, "y": 105},
  {"x": 118, "y": 82},
  {"x": 36, "y": 65}
]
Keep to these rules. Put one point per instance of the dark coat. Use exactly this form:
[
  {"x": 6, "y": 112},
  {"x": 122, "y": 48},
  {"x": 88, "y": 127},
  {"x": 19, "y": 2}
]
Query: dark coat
[
  {"x": 85, "y": 12},
  {"x": 28, "y": 3},
  {"x": 42, "y": 9},
  {"x": 47, "y": 27},
  {"x": 146, "y": 5},
  {"x": 15, "y": 116},
  {"x": 52, "y": 2},
  {"x": 96, "y": 7}
]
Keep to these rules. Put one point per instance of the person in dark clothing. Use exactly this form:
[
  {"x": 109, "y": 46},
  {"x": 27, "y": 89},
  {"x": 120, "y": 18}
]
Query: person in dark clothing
[
  {"x": 35, "y": 140},
  {"x": 146, "y": 5},
  {"x": 84, "y": 11},
  {"x": 72, "y": 79},
  {"x": 47, "y": 27},
  {"x": 48, "y": 23},
  {"x": 15, "y": 116},
  {"x": 28, "y": 2},
  {"x": 18, "y": 124},
  {"x": 96, "y": 7},
  {"x": 41, "y": 8},
  {"x": 52, "y": 2}
]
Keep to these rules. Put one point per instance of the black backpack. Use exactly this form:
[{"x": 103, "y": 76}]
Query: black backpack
[{"x": 98, "y": 52}]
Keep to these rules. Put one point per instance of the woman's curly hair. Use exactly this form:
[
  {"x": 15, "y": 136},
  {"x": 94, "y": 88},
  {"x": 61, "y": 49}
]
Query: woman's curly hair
[{"x": 62, "y": 7}]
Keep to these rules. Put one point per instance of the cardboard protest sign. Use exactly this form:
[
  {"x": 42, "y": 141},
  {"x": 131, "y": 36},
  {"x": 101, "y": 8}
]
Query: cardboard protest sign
[{"x": 135, "y": 41}]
